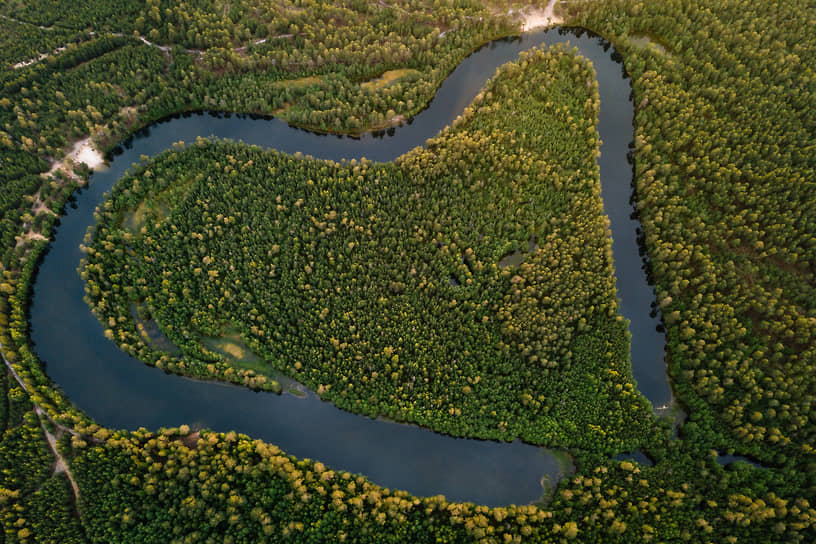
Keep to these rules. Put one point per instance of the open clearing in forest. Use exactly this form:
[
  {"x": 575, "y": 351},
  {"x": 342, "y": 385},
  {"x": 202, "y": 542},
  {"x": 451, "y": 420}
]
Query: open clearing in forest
[
  {"x": 387, "y": 79},
  {"x": 83, "y": 151},
  {"x": 231, "y": 345},
  {"x": 533, "y": 18},
  {"x": 647, "y": 41},
  {"x": 156, "y": 208}
]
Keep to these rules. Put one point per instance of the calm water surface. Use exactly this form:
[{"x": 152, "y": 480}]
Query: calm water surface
[{"x": 121, "y": 392}]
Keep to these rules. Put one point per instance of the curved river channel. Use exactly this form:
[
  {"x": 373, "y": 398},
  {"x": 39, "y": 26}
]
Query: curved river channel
[{"x": 121, "y": 392}]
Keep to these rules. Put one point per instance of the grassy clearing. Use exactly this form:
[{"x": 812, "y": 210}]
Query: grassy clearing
[
  {"x": 642, "y": 40},
  {"x": 156, "y": 208},
  {"x": 301, "y": 82},
  {"x": 297, "y": 87},
  {"x": 134, "y": 220},
  {"x": 231, "y": 345},
  {"x": 149, "y": 330},
  {"x": 387, "y": 79}
]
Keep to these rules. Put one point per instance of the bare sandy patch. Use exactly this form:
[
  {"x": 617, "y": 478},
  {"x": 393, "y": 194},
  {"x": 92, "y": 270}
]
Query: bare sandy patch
[
  {"x": 84, "y": 151},
  {"x": 39, "y": 206},
  {"x": 25, "y": 63},
  {"x": 90, "y": 156},
  {"x": 27, "y": 237},
  {"x": 38, "y": 58},
  {"x": 533, "y": 18}
]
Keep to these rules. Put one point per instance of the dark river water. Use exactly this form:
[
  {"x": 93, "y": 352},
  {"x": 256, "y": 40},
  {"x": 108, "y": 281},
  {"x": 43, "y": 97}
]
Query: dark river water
[{"x": 121, "y": 392}]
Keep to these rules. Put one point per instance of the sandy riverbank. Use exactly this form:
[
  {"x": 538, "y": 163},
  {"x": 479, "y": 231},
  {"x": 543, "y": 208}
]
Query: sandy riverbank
[
  {"x": 533, "y": 18},
  {"x": 84, "y": 151}
]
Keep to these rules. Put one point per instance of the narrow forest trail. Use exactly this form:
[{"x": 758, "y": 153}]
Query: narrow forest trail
[
  {"x": 163, "y": 48},
  {"x": 531, "y": 19},
  {"x": 40, "y": 57},
  {"x": 61, "y": 465},
  {"x": 6, "y": 17}
]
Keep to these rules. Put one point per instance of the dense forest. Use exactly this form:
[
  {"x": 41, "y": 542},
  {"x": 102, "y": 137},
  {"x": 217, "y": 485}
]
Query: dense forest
[{"x": 273, "y": 245}]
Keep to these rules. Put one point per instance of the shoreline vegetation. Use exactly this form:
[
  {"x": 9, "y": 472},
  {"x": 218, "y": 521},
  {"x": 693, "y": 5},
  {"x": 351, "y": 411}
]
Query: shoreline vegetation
[
  {"x": 142, "y": 486},
  {"x": 83, "y": 151}
]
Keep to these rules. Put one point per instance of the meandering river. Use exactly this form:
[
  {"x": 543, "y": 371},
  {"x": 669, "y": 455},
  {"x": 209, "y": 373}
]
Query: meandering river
[{"x": 121, "y": 392}]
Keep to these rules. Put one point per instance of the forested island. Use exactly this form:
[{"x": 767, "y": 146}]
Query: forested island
[{"x": 467, "y": 287}]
